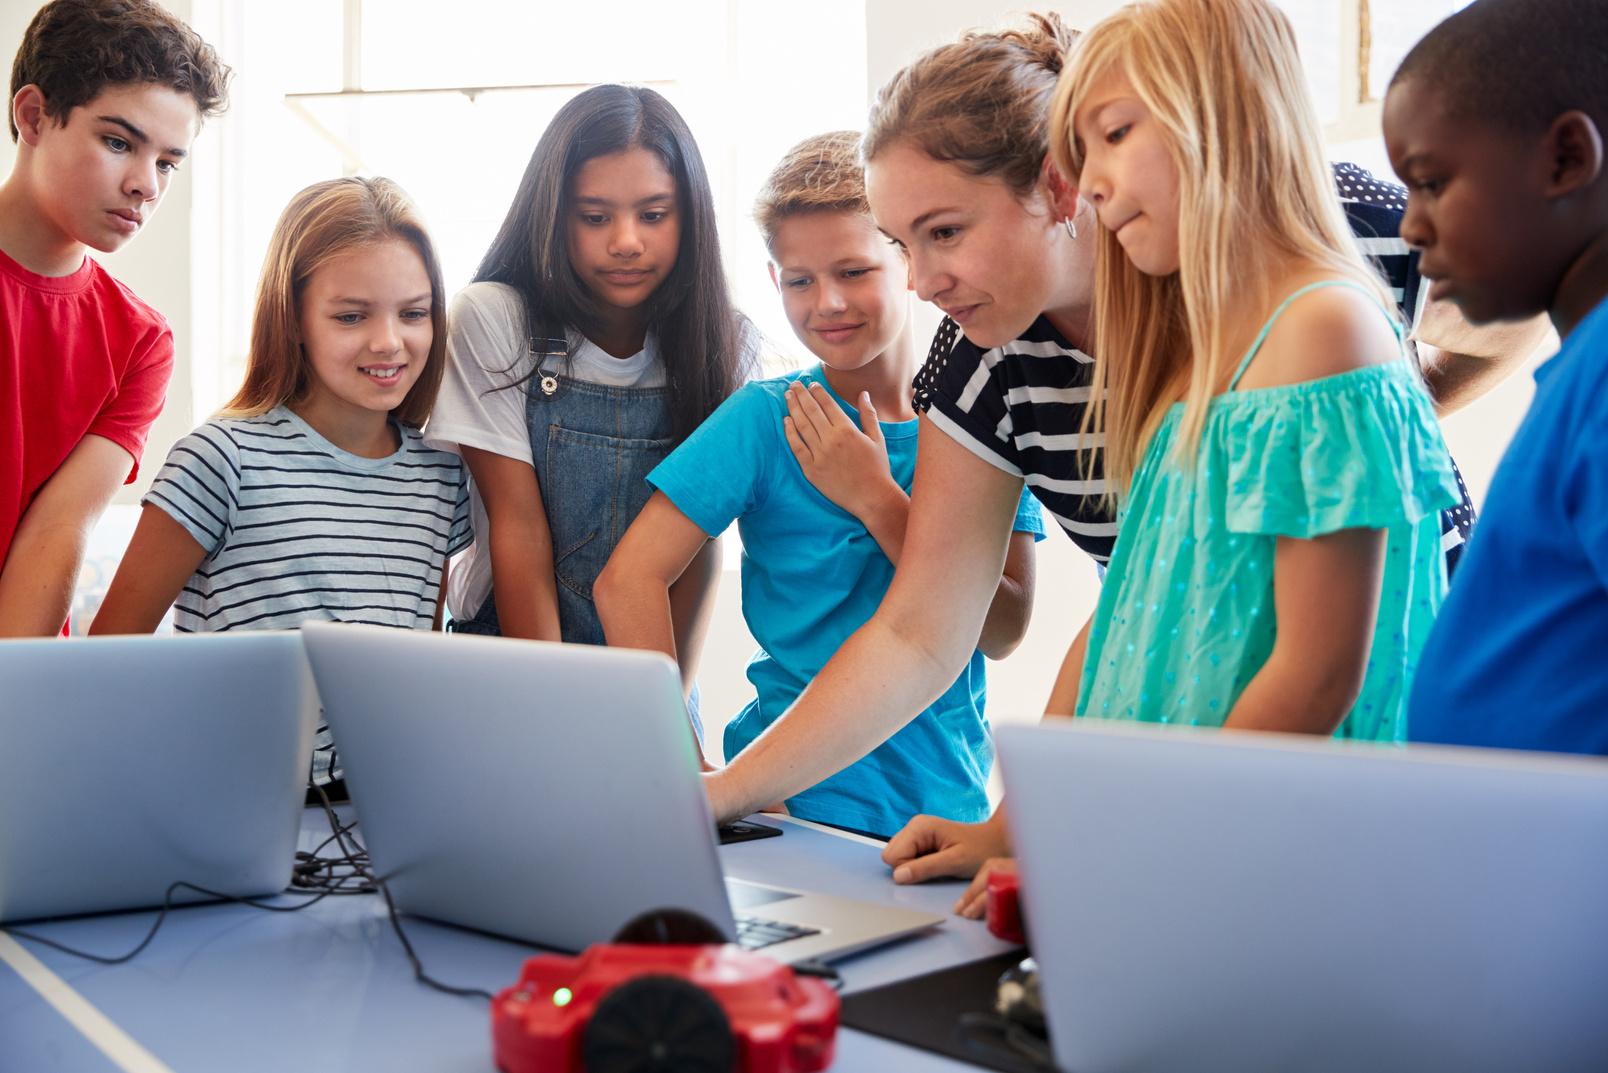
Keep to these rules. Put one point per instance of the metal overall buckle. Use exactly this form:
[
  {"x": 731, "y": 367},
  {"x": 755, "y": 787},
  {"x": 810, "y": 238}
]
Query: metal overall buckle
[{"x": 548, "y": 382}]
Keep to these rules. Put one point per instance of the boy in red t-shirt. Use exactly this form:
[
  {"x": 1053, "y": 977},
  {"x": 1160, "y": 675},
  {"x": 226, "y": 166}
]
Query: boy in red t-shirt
[{"x": 106, "y": 97}]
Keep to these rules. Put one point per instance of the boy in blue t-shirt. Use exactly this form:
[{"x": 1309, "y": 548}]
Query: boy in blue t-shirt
[
  {"x": 819, "y": 488},
  {"x": 1495, "y": 122}
]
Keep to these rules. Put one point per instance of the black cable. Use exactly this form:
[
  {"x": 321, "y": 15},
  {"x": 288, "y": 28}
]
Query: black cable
[
  {"x": 310, "y": 873},
  {"x": 819, "y": 969},
  {"x": 418, "y": 969},
  {"x": 348, "y": 872},
  {"x": 167, "y": 904},
  {"x": 320, "y": 872},
  {"x": 315, "y": 872}
]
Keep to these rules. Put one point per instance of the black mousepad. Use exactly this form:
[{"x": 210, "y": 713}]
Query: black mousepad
[
  {"x": 925, "y": 1012},
  {"x": 743, "y": 831}
]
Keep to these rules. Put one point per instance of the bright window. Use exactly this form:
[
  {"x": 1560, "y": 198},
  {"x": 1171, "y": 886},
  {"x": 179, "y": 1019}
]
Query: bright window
[{"x": 747, "y": 82}]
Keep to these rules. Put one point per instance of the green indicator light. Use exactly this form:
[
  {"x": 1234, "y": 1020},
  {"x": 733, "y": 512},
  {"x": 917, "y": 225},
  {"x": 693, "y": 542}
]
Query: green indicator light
[{"x": 562, "y": 996}]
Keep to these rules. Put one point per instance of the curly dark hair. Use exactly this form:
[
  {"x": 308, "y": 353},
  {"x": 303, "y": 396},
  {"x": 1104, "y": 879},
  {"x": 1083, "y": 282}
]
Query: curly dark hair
[
  {"x": 1517, "y": 64},
  {"x": 75, "y": 49}
]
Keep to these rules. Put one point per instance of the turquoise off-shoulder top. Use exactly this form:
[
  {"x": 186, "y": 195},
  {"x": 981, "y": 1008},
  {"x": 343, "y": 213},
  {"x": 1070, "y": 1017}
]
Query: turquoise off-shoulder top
[{"x": 1186, "y": 617}]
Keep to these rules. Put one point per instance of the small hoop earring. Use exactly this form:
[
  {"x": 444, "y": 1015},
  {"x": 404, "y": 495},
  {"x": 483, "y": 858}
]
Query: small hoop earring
[{"x": 1071, "y": 228}]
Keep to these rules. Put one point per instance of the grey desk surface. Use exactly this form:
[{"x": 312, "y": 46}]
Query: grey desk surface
[{"x": 234, "y": 987}]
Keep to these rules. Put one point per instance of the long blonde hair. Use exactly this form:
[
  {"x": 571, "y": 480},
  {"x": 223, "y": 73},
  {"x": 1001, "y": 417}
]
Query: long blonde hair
[
  {"x": 323, "y": 223},
  {"x": 1223, "y": 82}
]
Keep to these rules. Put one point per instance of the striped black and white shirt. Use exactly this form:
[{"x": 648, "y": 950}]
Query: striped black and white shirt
[
  {"x": 1020, "y": 406},
  {"x": 1374, "y": 209},
  {"x": 296, "y": 529}
]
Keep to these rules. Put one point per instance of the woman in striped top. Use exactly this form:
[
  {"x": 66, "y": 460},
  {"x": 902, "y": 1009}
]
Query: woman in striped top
[
  {"x": 312, "y": 494},
  {"x": 955, "y": 154}
]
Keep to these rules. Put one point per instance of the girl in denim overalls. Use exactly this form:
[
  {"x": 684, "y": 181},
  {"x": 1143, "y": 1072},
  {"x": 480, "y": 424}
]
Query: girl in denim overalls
[{"x": 597, "y": 335}]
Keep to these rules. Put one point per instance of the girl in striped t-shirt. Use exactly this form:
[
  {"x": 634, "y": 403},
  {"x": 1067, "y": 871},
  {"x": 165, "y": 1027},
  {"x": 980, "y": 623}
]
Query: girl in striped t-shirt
[{"x": 312, "y": 494}]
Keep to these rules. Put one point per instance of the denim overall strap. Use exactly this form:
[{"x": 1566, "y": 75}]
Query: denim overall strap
[{"x": 592, "y": 447}]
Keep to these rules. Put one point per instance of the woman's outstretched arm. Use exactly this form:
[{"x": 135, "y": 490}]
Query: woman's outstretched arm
[{"x": 961, "y": 513}]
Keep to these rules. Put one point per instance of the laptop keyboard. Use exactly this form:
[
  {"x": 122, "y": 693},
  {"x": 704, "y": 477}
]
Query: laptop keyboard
[{"x": 756, "y": 932}]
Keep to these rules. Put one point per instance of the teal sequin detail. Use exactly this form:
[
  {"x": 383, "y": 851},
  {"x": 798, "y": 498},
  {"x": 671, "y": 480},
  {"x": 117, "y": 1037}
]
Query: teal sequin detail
[{"x": 1360, "y": 450}]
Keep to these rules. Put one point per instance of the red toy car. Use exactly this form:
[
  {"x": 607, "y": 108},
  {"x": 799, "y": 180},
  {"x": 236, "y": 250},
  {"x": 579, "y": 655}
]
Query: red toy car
[{"x": 624, "y": 1006}]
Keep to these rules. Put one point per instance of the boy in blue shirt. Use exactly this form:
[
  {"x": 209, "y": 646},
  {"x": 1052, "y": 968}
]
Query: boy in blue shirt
[
  {"x": 1495, "y": 122},
  {"x": 819, "y": 488}
]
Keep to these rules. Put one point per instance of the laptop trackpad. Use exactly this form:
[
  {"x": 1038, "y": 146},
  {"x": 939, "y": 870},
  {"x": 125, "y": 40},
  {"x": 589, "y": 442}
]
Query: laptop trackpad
[{"x": 751, "y": 896}]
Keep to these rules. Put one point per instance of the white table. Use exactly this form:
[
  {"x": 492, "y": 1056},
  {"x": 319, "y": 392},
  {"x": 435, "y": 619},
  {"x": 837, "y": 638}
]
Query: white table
[{"x": 231, "y": 987}]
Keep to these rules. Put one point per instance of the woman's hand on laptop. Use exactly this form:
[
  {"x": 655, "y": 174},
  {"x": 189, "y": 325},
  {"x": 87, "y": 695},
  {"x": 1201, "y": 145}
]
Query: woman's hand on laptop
[{"x": 930, "y": 847}]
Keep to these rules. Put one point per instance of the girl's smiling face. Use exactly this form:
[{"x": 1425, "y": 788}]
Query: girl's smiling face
[
  {"x": 977, "y": 251},
  {"x": 365, "y": 327},
  {"x": 624, "y": 227},
  {"x": 1128, "y": 173}
]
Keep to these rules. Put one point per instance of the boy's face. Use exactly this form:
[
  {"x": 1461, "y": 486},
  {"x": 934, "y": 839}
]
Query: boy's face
[
  {"x": 101, "y": 173},
  {"x": 844, "y": 286},
  {"x": 1476, "y": 207}
]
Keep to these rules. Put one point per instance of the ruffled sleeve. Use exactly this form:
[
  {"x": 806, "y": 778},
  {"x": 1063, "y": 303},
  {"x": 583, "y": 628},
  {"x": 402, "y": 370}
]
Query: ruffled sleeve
[{"x": 1361, "y": 450}]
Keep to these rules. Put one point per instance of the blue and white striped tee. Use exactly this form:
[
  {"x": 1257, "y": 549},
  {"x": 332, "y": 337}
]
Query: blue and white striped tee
[{"x": 296, "y": 529}]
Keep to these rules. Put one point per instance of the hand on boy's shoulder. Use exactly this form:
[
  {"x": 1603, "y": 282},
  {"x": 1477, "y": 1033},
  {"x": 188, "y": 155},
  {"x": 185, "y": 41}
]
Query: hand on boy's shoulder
[
  {"x": 846, "y": 462},
  {"x": 1324, "y": 332}
]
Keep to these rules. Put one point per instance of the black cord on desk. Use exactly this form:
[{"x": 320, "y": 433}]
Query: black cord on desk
[
  {"x": 315, "y": 871},
  {"x": 347, "y": 872},
  {"x": 167, "y": 904},
  {"x": 418, "y": 969}
]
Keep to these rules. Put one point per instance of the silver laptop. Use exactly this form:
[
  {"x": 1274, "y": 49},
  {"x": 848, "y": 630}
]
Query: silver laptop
[
  {"x": 549, "y": 793},
  {"x": 130, "y": 763},
  {"x": 1250, "y": 902}
]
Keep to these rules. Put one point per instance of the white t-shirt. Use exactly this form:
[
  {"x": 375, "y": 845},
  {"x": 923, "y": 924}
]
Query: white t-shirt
[{"x": 487, "y": 351}]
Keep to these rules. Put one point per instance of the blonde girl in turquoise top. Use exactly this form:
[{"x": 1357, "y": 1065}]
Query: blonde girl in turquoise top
[
  {"x": 1276, "y": 462},
  {"x": 1205, "y": 572}
]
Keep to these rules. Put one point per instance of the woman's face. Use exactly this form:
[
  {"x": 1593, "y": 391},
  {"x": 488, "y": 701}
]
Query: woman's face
[{"x": 991, "y": 260}]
